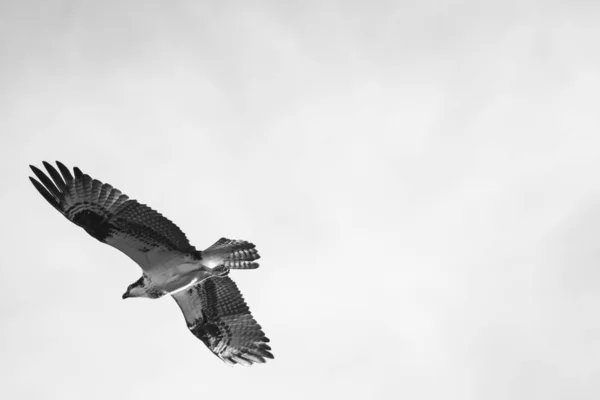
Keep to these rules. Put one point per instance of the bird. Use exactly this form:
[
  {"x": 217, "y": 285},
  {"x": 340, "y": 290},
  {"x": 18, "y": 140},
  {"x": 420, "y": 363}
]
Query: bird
[{"x": 212, "y": 305}]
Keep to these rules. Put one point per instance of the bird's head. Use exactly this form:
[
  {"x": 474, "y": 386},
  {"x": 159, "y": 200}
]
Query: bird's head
[{"x": 136, "y": 289}]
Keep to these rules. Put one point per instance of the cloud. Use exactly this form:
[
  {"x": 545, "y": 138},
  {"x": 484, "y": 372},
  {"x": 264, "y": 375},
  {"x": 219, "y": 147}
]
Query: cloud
[{"x": 419, "y": 180}]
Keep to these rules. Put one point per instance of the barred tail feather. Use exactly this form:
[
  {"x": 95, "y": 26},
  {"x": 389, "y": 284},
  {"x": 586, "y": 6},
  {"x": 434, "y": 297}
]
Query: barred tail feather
[
  {"x": 234, "y": 254},
  {"x": 237, "y": 264}
]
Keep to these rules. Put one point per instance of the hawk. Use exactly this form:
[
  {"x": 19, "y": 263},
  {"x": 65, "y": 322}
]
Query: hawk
[{"x": 212, "y": 305}]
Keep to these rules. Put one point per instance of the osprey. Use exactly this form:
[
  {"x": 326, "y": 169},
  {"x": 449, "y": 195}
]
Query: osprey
[{"x": 212, "y": 305}]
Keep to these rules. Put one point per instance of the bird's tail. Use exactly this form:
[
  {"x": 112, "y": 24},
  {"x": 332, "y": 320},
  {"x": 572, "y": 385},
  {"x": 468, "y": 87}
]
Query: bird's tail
[{"x": 233, "y": 254}]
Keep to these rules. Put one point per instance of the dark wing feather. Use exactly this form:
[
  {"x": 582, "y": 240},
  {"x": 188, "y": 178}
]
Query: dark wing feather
[
  {"x": 109, "y": 215},
  {"x": 217, "y": 314},
  {"x": 65, "y": 172},
  {"x": 60, "y": 183}
]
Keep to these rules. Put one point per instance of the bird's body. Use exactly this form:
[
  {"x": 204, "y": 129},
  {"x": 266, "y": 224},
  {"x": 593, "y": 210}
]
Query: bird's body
[
  {"x": 212, "y": 305},
  {"x": 170, "y": 275}
]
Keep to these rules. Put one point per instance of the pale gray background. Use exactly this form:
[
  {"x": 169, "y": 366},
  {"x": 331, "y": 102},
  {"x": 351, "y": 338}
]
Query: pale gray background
[{"x": 420, "y": 177}]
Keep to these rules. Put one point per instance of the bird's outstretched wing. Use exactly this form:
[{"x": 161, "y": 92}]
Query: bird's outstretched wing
[
  {"x": 110, "y": 216},
  {"x": 217, "y": 314}
]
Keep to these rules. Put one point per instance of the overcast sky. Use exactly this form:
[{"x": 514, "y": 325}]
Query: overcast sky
[{"x": 420, "y": 178}]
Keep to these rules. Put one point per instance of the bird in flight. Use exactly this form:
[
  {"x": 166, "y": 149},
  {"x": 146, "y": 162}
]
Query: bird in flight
[{"x": 212, "y": 305}]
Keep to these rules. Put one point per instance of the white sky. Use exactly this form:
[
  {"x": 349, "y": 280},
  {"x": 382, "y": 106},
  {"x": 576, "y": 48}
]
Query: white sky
[{"x": 420, "y": 177}]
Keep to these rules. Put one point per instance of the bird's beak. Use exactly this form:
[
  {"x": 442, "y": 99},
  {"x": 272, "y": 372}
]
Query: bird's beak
[{"x": 125, "y": 295}]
